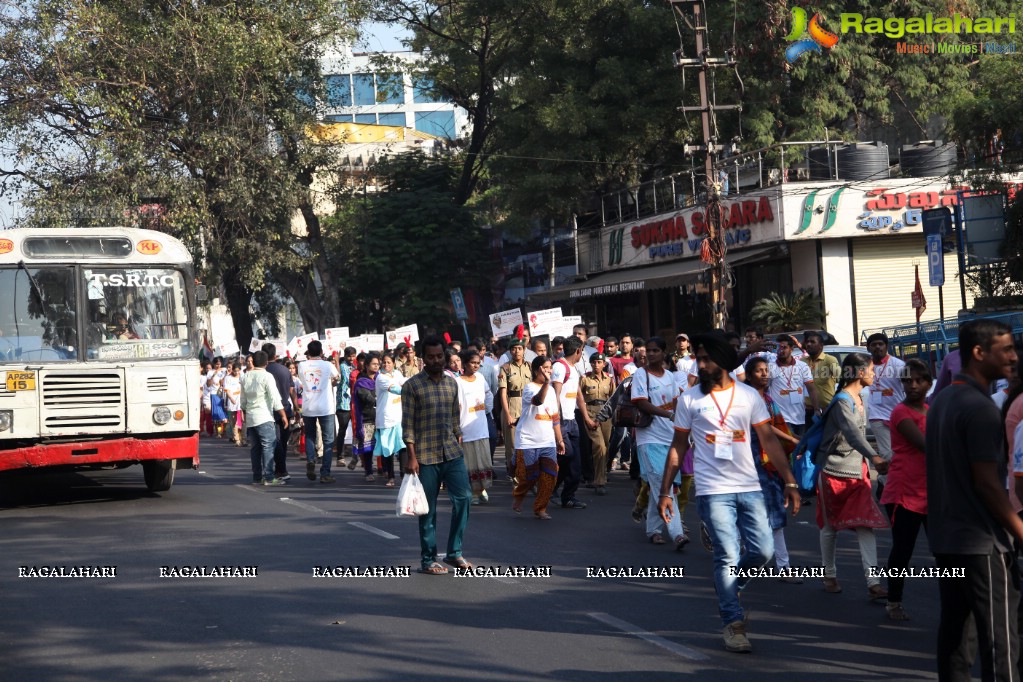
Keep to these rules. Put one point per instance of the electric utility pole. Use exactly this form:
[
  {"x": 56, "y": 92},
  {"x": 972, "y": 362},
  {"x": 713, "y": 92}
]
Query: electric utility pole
[{"x": 694, "y": 13}]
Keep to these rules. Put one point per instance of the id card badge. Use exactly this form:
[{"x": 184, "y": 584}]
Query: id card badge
[
  {"x": 876, "y": 396},
  {"x": 723, "y": 444},
  {"x": 796, "y": 396}
]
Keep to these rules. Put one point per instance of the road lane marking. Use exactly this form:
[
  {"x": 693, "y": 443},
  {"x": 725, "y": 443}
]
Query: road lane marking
[
  {"x": 376, "y": 531},
  {"x": 250, "y": 488},
  {"x": 656, "y": 640},
  {"x": 303, "y": 505}
]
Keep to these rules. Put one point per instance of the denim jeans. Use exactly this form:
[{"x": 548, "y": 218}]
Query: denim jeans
[
  {"x": 569, "y": 464},
  {"x": 263, "y": 438},
  {"x": 327, "y": 432},
  {"x": 455, "y": 477},
  {"x": 728, "y": 518},
  {"x": 281, "y": 446}
]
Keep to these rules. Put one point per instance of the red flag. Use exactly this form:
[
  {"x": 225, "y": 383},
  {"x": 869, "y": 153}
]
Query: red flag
[
  {"x": 919, "y": 302},
  {"x": 447, "y": 338}
]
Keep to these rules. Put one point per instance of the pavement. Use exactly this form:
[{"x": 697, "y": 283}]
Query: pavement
[{"x": 286, "y": 624}]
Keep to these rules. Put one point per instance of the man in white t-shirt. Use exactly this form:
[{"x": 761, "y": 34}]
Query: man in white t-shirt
[
  {"x": 565, "y": 380},
  {"x": 791, "y": 383},
  {"x": 721, "y": 415},
  {"x": 318, "y": 378},
  {"x": 885, "y": 393}
]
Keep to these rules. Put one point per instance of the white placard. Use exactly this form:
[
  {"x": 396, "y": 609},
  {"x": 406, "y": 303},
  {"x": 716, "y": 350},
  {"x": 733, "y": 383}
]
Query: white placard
[
  {"x": 334, "y": 340},
  {"x": 505, "y": 322},
  {"x": 228, "y": 348},
  {"x": 374, "y": 342},
  {"x": 544, "y": 322},
  {"x": 256, "y": 344},
  {"x": 396, "y": 336}
]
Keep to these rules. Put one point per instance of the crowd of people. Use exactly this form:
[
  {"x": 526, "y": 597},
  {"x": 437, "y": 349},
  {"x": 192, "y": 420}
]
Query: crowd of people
[{"x": 718, "y": 418}]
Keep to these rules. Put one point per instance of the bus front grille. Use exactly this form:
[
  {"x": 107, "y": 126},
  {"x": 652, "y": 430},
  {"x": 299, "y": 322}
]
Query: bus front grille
[{"x": 83, "y": 401}]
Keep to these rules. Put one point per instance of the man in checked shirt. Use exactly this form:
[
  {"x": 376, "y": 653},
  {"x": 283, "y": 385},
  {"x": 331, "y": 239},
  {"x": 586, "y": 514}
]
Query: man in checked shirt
[{"x": 429, "y": 425}]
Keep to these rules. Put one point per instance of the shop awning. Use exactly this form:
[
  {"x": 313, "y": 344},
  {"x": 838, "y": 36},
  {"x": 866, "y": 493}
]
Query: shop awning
[{"x": 628, "y": 281}]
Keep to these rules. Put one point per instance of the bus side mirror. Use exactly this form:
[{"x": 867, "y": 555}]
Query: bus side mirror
[{"x": 200, "y": 293}]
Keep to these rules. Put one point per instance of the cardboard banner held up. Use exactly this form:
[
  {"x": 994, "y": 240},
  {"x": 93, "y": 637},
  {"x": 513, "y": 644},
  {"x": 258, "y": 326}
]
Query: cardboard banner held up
[
  {"x": 399, "y": 335},
  {"x": 374, "y": 342},
  {"x": 298, "y": 345},
  {"x": 505, "y": 322},
  {"x": 543, "y": 322},
  {"x": 335, "y": 340},
  {"x": 228, "y": 349},
  {"x": 256, "y": 344}
]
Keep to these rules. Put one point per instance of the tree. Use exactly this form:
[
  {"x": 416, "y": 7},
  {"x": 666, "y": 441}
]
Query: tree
[
  {"x": 203, "y": 108},
  {"x": 779, "y": 312},
  {"x": 405, "y": 246}
]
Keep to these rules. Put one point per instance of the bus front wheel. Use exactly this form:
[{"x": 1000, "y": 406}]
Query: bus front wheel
[{"x": 159, "y": 474}]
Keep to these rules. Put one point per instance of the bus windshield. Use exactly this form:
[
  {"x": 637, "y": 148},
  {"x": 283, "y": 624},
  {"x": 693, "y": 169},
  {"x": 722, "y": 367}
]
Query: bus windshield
[
  {"x": 37, "y": 314},
  {"x": 138, "y": 313}
]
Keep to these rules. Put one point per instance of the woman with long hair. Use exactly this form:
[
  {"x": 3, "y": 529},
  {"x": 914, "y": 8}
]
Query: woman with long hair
[
  {"x": 758, "y": 375},
  {"x": 905, "y": 493},
  {"x": 364, "y": 412},
  {"x": 475, "y": 399},
  {"x": 845, "y": 500},
  {"x": 387, "y": 436},
  {"x": 538, "y": 441}
]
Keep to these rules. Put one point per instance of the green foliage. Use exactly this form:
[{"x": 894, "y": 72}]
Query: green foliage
[
  {"x": 201, "y": 107},
  {"x": 405, "y": 246},
  {"x": 779, "y": 312}
]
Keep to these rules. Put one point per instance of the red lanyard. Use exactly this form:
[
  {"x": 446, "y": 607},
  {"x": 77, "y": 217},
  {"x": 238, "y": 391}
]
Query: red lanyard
[
  {"x": 879, "y": 372},
  {"x": 724, "y": 415},
  {"x": 792, "y": 372}
]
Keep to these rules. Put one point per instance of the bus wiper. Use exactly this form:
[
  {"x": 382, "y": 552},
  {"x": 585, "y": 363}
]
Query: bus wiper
[{"x": 32, "y": 280}]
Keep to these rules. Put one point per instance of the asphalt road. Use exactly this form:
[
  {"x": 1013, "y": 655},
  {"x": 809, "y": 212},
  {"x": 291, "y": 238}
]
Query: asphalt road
[{"x": 286, "y": 624}]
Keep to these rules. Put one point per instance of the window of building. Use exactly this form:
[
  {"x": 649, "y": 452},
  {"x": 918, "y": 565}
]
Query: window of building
[
  {"x": 339, "y": 90},
  {"x": 392, "y": 120},
  {"x": 362, "y": 85},
  {"x": 423, "y": 91},
  {"x": 439, "y": 123},
  {"x": 366, "y": 118},
  {"x": 390, "y": 88},
  {"x": 337, "y": 118}
]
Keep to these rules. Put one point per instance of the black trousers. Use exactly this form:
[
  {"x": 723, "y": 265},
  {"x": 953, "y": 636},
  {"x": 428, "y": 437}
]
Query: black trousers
[
  {"x": 569, "y": 466},
  {"x": 281, "y": 447},
  {"x": 585, "y": 450},
  {"x": 905, "y": 529},
  {"x": 985, "y": 598},
  {"x": 344, "y": 418}
]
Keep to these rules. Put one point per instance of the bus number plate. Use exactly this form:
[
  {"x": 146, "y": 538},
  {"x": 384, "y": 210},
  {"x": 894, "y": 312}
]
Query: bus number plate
[{"x": 21, "y": 381}]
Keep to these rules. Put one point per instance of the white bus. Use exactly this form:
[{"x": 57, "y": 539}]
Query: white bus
[{"x": 98, "y": 348}]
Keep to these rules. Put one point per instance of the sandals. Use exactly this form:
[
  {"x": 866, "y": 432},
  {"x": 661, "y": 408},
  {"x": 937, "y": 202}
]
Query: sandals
[
  {"x": 680, "y": 542},
  {"x": 876, "y": 592},
  {"x": 390, "y": 483},
  {"x": 831, "y": 585},
  {"x": 458, "y": 562},
  {"x": 657, "y": 539},
  {"x": 517, "y": 508},
  {"x": 433, "y": 568},
  {"x": 543, "y": 516},
  {"x": 895, "y": 611}
]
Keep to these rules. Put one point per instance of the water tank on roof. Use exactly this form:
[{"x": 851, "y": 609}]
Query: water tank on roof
[
  {"x": 928, "y": 159},
  {"x": 821, "y": 162},
  {"x": 863, "y": 161}
]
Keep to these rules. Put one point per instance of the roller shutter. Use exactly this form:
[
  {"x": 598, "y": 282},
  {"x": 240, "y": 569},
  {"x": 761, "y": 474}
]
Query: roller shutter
[{"x": 884, "y": 280}]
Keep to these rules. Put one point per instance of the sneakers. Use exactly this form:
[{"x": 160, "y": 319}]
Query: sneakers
[
  {"x": 475, "y": 501},
  {"x": 370, "y": 478},
  {"x": 735, "y": 638},
  {"x": 705, "y": 538},
  {"x": 573, "y": 504},
  {"x": 326, "y": 479},
  {"x": 285, "y": 477},
  {"x": 484, "y": 496},
  {"x": 354, "y": 463},
  {"x": 274, "y": 481},
  {"x": 638, "y": 515},
  {"x": 310, "y": 470},
  {"x": 680, "y": 542},
  {"x": 601, "y": 490}
]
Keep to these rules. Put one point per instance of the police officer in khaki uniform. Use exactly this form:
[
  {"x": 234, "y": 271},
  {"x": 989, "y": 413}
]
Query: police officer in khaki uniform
[
  {"x": 594, "y": 390},
  {"x": 512, "y": 378}
]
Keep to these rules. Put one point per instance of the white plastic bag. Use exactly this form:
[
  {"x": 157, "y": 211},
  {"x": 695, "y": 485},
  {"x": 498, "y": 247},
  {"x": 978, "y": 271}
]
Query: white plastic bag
[{"x": 412, "y": 497}]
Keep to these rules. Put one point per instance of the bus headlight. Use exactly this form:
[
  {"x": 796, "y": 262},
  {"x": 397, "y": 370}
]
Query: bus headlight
[
  {"x": 6, "y": 420},
  {"x": 162, "y": 415}
]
